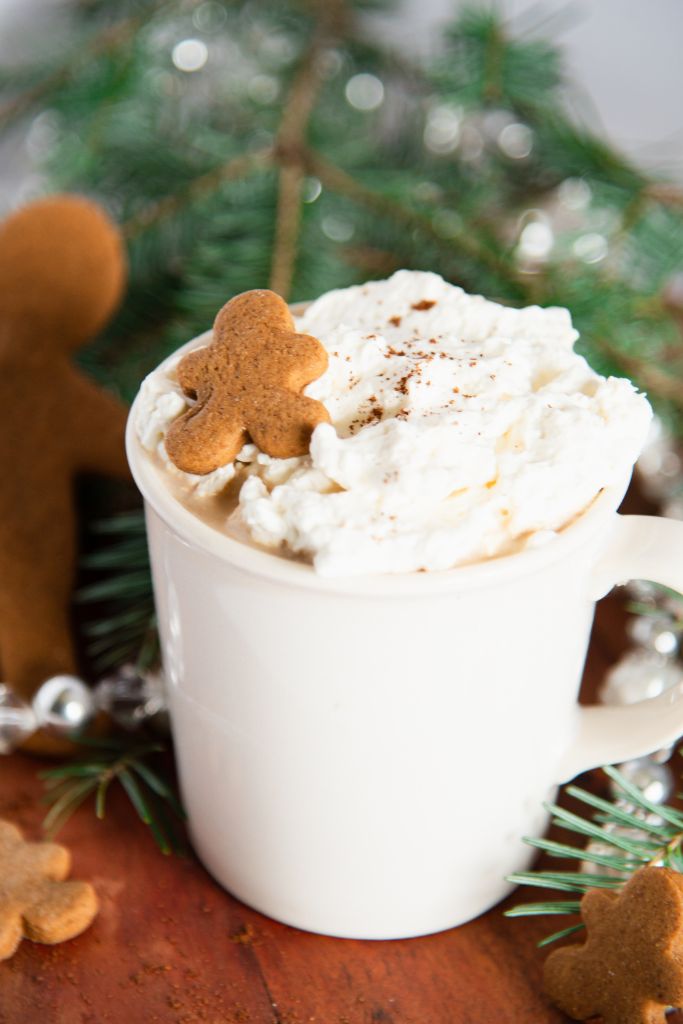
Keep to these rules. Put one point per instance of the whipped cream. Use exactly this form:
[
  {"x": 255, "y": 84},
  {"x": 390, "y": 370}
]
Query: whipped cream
[{"x": 460, "y": 430}]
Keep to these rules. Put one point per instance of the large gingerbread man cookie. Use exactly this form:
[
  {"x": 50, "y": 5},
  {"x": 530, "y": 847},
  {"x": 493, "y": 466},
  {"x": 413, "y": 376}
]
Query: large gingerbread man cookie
[
  {"x": 246, "y": 385},
  {"x": 62, "y": 273},
  {"x": 630, "y": 968}
]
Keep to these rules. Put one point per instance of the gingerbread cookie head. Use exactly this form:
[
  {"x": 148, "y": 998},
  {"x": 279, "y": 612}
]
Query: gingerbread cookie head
[
  {"x": 35, "y": 901},
  {"x": 630, "y": 969},
  {"x": 246, "y": 385},
  {"x": 63, "y": 270}
]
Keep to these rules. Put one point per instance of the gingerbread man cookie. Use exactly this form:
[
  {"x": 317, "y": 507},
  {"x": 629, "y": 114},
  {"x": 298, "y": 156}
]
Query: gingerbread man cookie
[
  {"x": 247, "y": 385},
  {"x": 631, "y": 966},
  {"x": 35, "y": 901},
  {"x": 63, "y": 270}
]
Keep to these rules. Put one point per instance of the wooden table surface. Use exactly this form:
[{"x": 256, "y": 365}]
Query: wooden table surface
[{"x": 170, "y": 946}]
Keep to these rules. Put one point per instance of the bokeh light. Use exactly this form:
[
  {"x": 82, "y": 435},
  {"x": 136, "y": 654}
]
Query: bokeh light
[
  {"x": 364, "y": 92},
  {"x": 190, "y": 55}
]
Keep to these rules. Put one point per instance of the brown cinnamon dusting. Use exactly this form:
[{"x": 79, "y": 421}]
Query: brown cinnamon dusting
[
  {"x": 423, "y": 305},
  {"x": 374, "y": 415},
  {"x": 402, "y": 384},
  {"x": 395, "y": 321}
]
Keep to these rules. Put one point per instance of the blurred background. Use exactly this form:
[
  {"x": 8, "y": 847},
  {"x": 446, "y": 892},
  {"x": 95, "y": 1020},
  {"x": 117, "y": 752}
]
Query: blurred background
[{"x": 622, "y": 58}]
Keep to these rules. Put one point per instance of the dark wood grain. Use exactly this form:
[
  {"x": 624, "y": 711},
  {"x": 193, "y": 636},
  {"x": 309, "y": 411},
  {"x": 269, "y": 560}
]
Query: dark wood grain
[{"x": 170, "y": 946}]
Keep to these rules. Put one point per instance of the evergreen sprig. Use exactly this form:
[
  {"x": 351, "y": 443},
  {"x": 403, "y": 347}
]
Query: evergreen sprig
[
  {"x": 627, "y": 834},
  {"x": 134, "y": 765},
  {"x": 124, "y": 629}
]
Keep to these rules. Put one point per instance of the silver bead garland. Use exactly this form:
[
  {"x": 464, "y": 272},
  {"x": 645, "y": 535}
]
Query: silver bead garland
[{"x": 64, "y": 705}]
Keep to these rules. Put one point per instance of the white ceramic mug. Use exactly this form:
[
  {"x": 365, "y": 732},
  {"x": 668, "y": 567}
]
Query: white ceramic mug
[{"x": 360, "y": 757}]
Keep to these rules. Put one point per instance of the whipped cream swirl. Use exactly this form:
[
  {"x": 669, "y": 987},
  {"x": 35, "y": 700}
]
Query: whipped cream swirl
[{"x": 460, "y": 430}]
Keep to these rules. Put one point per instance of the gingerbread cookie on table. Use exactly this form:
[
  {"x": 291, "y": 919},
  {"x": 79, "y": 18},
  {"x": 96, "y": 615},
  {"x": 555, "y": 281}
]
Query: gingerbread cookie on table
[
  {"x": 62, "y": 274},
  {"x": 35, "y": 900},
  {"x": 630, "y": 968},
  {"x": 246, "y": 385}
]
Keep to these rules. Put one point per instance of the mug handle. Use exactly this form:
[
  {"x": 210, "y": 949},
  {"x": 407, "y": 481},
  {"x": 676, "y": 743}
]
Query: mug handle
[{"x": 640, "y": 548}]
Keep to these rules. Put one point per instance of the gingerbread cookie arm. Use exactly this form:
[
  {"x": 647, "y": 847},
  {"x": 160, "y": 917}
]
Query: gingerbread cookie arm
[
  {"x": 9, "y": 836},
  {"x": 47, "y": 860},
  {"x": 11, "y": 931},
  {"x": 60, "y": 911},
  {"x": 35, "y": 902},
  {"x": 290, "y": 420},
  {"x": 192, "y": 370},
  {"x": 309, "y": 361},
  {"x": 205, "y": 438},
  {"x": 562, "y": 980},
  {"x": 98, "y": 427},
  {"x": 596, "y": 906}
]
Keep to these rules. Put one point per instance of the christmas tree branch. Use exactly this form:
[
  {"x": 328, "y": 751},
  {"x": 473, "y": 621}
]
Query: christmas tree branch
[
  {"x": 340, "y": 181},
  {"x": 108, "y": 40},
  {"x": 291, "y": 141},
  {"x": 665, "y": 193},
  {"x": 287, "y": 226},
  {"x": 132, "y": 762},
  {"x": 238, "y": 167},
  {"x": 494, "y": 51}
]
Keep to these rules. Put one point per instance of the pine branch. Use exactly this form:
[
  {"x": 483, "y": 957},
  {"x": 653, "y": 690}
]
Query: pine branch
[
  {"x": 345, "y": 184},
  {"x": 106, "y": 41},
  {"x": 287, "y": 226},
  {"x": 125, "y": 629},
  {"x": 664, "y": 192},
  {"x": 128, "y": 762},
  {"x": 240, "y": 166},
  {"x": 659, "y": 827},
  {"x": 291, "y": 142}
]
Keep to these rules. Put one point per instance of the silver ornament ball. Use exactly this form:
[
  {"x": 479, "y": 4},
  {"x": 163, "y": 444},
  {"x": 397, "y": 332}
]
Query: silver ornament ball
[
  {"x": 654, "y": 780},
  {"x": 131, "y": 697},
  {"x": 640, "y": 674},
  {"x": 63, "y": 704},
  {"x": 656, "y": 632}
]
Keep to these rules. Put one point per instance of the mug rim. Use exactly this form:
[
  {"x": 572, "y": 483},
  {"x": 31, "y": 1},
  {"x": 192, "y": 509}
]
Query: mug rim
[{"x": 290, "y": 572}]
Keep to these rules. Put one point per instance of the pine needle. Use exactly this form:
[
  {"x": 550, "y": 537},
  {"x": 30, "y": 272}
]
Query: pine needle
[
  {"x": 125, "y": 629},
  {"x": 129, "y": 762},
  {"x": 660, "y": 825}
]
